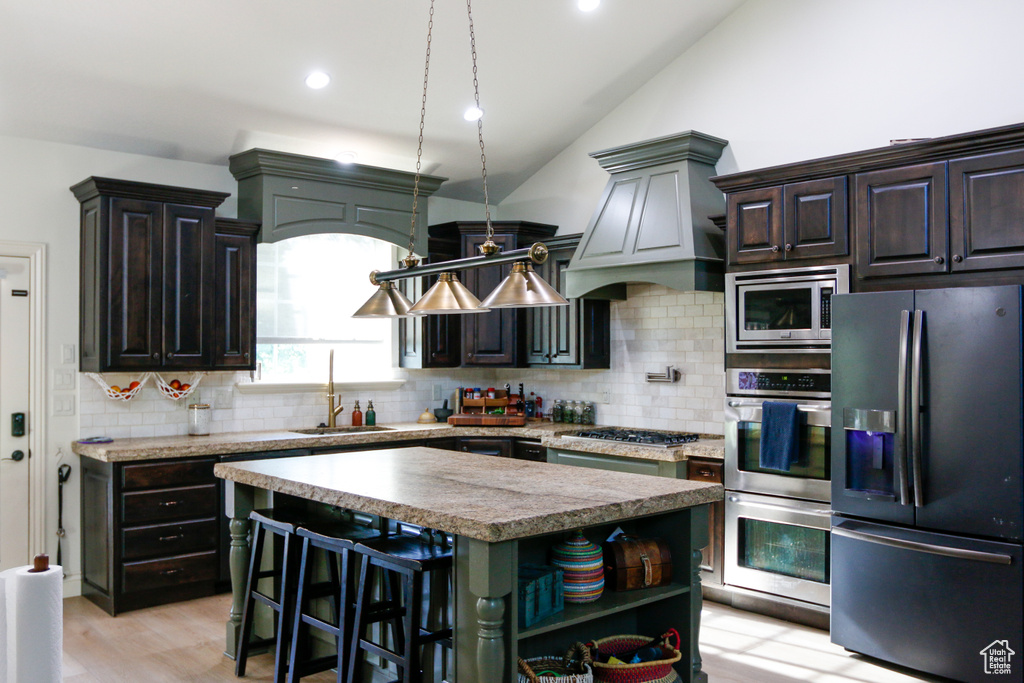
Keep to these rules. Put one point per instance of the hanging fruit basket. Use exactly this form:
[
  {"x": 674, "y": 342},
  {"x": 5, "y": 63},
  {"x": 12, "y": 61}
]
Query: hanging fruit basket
[
  {"x": 126, "y": 390},
  {"x": 177, "y": 389}
]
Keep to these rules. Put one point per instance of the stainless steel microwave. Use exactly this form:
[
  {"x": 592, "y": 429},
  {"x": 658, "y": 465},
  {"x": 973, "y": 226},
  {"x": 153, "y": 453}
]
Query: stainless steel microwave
[{"x": 782, "y": 310}]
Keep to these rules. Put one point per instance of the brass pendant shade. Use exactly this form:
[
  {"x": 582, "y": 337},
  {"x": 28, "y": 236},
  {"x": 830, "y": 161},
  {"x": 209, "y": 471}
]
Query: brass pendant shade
[
  {"x": 447, "y": 296},
  {"x": 523, "y": 288},
  {"x": 386, "y": 302}
]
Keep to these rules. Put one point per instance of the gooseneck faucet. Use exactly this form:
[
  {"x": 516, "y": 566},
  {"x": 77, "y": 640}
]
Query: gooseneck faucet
[{"x": 332, "y": 412}]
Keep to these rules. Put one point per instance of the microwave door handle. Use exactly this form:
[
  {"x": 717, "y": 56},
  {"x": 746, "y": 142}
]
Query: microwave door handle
[
  {"x": 901, "y": 411},
  {"x": 915, "y": 410}
]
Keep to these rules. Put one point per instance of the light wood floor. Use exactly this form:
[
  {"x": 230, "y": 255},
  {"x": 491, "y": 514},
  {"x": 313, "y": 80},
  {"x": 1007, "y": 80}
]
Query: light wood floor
[{"x": 185, "y": 642}]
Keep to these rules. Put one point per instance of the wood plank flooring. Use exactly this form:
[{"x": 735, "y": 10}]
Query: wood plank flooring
[{"x": 185, "y": 642}]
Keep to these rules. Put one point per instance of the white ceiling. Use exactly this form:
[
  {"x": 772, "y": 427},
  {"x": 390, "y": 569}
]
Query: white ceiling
[{"x": 199, "y": 80}]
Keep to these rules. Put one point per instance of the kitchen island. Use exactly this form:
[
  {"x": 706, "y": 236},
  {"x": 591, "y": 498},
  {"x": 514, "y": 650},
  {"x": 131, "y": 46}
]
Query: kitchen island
[{"x": 502, "y": 513}]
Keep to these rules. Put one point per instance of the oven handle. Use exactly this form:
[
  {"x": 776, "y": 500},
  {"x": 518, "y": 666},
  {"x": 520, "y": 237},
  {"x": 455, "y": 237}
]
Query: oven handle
[
  {"x": 801, "y": 407},
  {"x": 777, "y": 506},
  {"x": 817, "y": 416},
  {"x": 957, "y": 553}
]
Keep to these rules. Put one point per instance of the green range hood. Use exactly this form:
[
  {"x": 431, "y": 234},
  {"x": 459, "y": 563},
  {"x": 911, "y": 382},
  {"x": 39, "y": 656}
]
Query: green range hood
[{"x": 652, "y": 223}]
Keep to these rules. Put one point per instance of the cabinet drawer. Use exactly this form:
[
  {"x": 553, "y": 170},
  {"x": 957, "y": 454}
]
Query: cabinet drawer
[
  {"x": 181, "y": 473},
  {"x": 169, "y": 571},
  {"x": 498, "y": 447},
  {"x": 169, "y": 539},
  {"x": 167, "y": 504},
  {"x": 530, "y": 450},
  {"x": 699, "y": 470}
]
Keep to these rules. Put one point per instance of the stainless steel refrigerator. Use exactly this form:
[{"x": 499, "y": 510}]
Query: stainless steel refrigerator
[{"x": 928, "y": 508}]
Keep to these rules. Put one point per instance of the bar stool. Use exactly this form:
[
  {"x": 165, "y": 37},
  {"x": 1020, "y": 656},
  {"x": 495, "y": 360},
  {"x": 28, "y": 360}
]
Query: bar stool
[
  {"x": 285, "y": 577},
  {"x": 403, "y": 561},
  {"x": 337, "y": 541}
]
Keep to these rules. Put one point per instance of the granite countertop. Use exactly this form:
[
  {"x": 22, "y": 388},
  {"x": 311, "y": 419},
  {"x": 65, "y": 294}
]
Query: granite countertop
[
  {"x": 478, "y": 496},
  {"x": 549, "y": 434}
]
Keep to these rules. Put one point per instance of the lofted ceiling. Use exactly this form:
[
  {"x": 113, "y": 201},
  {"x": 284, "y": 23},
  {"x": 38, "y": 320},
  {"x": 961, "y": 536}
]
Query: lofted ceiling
[{"x": 199, "y": 80}]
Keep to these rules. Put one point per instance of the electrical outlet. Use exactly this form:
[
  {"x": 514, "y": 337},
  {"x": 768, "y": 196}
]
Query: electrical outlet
[
  {"x": 606, "y": 395},
  {"x": 222, "y": 398},
  {"x": 438, "y": 389}
]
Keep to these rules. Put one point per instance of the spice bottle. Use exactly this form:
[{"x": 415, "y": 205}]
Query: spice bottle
[
  {"x": 371, "y": 414},
  {"x": 357, "y": 416}
]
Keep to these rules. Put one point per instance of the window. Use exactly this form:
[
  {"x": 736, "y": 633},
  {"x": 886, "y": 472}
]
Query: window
[{"x": 307, "y": 289}]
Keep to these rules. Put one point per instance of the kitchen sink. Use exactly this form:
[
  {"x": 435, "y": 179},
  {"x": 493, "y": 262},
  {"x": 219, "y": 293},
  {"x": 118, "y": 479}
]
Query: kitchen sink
[{"x": 341, "y": 430}]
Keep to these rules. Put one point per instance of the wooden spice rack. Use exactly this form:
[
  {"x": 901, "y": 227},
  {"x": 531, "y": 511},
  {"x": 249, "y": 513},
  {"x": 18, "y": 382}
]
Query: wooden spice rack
[{"x": 481, "y": 406}]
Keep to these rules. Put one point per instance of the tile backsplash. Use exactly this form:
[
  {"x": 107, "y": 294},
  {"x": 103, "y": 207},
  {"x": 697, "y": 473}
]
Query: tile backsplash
[{"x": 653, "y": 328}]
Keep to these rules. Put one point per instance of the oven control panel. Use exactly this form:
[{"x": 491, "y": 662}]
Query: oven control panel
[{"x": 811, "y": 383}]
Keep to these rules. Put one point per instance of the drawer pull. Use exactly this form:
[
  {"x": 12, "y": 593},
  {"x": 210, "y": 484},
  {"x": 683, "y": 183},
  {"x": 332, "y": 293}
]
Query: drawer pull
[
  {"x": 164, "y": 539},
  {"x": 706, "y": 473},
  {"x": 169, "y": 572},
  {"x": 169, "y": 503}
]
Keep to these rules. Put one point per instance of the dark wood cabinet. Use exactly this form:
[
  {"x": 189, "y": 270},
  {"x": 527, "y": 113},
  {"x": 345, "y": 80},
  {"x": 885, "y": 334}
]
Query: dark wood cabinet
[
  {"x": 431, "y": 341},
  {"x": 986, "y": 211},
  {"x": 498, "y": 446},
  {"x": 234, "y": 310},
  {"x": 709, "y": 470},
  {"x": 151, "y": 532},
  {"x": 149, "y": 280},
  {"x": 529, "y": 449},
  {"x": 493, "y": 338},
  {"x": 793, "y": 221},
  {"x": 577, "y": 335},
  {"x": 901, "y": 223}
]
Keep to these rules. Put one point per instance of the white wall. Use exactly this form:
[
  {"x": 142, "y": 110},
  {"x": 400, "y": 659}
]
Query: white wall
[{"x": 791, "y": 80}]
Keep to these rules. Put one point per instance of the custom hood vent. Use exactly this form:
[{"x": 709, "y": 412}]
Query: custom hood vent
[{"x": 652, "y": 223}]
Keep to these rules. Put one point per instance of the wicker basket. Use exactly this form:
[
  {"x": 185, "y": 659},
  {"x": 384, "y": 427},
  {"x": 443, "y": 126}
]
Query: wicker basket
[
  {"x": 114, "y": 391},
  {"x": 176, "y": 394},
  {"x": 573, "y": 667},
  {"x": 656, "y": 671}
]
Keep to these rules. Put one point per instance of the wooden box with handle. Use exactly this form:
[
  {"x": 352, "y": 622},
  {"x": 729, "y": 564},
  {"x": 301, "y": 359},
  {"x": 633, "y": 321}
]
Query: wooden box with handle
[{"x": 631, "y": 563}]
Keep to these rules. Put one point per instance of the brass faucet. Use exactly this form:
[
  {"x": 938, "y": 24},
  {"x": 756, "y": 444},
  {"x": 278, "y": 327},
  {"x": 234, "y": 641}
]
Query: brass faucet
[{"x": 332, "y": 412}]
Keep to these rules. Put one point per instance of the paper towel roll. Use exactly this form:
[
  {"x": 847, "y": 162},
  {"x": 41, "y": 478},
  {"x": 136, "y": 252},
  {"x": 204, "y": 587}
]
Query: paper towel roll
[
  {"x": 35, "y": 625},
  {"x": 3, "y": 627}
]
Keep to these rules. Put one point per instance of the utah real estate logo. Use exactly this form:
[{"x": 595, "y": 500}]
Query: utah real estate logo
[{"x": 997, "y": 656}]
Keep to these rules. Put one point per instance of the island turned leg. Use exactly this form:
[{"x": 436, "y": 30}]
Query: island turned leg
[
  {"x": 239, "y": 503},
  {"x": 483, "y": 630}
]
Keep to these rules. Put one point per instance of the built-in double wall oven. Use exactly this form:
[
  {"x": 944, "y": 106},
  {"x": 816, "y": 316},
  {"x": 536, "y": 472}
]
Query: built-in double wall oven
[{"x": 777, "y": 521}]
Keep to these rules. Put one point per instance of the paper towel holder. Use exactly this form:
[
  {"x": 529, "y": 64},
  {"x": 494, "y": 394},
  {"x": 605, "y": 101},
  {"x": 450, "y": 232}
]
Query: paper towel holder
[{"x": 40, "y": 563}]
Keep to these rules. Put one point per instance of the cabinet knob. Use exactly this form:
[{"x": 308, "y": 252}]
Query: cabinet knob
[
  {"x": 789, "y": 247},
  {"x": 957, "y": 258},
  {"x": 246, "y": 355},
  {"x": 156, "y": 356},
  {"x": 775, "y": 248},
  {"x": 170, "y": 355},
  {"x": 940, "y": 260}
]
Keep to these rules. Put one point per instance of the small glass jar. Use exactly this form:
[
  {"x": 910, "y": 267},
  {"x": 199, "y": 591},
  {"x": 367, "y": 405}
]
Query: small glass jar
[
  {"x": 588, "y": 413},
  {"x": 198, "y": 419},
  {"x": 557, "y": 410},
  {"x": 577, "y": 410}
]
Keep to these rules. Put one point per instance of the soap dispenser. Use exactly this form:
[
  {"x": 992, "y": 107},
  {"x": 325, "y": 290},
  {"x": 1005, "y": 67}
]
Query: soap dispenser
[
  {"x": 371, "y": 414},
  {"x": 357, "y": 416}
]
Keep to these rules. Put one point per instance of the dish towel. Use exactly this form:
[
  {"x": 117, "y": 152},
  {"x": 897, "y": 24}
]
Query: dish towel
[{"x": 780, "y": 435}]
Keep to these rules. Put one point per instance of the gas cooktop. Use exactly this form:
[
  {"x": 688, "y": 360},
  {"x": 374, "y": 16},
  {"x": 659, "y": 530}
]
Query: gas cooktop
[{"x": 642, "y": 437}]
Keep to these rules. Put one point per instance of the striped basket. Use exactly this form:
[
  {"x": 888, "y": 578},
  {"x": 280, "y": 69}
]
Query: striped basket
[
  {"x": 583, "y": 568},
  {"x": 573, "y": 667},
  {"x": 657, "y": 671}
]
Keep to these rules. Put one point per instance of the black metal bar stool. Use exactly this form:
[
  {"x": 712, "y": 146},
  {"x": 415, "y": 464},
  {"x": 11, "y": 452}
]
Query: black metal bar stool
[
  {"x": 285, "y": 577},
  {"x": 337, "y": 542},
  {"x": 403, "y": 560}
]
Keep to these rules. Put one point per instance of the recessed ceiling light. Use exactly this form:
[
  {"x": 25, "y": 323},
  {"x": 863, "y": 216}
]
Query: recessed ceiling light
[
  {"x": 588, "y": 5},
  {"x": 473, "y": 114},
  {"x": 347, "y": 158},
  {"x": 317, "y": 80}
]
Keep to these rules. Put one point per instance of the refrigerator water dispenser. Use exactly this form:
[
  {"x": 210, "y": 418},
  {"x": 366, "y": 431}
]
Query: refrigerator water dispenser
[{"x": 870, "y": 439}]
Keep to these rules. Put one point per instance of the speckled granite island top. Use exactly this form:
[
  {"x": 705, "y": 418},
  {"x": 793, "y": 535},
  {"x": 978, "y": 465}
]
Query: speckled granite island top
[
  {"x": 477, "y": 496},
  {"x": 549, "y": 434}
]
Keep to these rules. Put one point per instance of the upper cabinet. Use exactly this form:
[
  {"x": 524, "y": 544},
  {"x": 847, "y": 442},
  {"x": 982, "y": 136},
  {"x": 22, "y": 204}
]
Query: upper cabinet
[
  {"x": 151, "y": 268},
  {"x": 575, "y": 336},
  {"x": 950, "y": 207},
  {"x": 789, "y": 221}
]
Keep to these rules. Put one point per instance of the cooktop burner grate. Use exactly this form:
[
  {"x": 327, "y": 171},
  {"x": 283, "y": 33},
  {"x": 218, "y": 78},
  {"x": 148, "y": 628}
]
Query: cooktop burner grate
[{"x": 638, "y": 436}]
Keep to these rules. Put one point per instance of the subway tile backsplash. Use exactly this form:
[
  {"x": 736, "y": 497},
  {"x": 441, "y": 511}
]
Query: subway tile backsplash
[{"x": 653, "y": 328}]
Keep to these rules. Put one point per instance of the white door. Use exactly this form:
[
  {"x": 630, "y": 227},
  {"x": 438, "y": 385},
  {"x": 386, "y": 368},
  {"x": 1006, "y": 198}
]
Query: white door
[{"x": 14, "y": 402}]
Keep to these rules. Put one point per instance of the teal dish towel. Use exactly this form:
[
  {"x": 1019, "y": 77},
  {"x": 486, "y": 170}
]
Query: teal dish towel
[{"x": 780, "y": 435}]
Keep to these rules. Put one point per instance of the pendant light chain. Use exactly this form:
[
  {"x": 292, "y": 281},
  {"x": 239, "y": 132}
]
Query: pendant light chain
[
  {"x": 419, "y": 148},
  {"x": 479, "y": 121}
]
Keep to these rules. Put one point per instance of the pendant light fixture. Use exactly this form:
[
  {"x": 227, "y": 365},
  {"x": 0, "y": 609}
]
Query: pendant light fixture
[{"x": 523, "y": 287}]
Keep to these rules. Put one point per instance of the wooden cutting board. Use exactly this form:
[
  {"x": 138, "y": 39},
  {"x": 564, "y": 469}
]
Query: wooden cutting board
[{"x": 487, "y": 420}]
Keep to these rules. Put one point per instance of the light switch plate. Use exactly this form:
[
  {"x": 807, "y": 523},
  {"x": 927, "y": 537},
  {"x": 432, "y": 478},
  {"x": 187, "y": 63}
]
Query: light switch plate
[
  {"x": 63, "y": 404},
  {"x": 223, "y": 398},
  {"x": 438, "y": 389},
  {"x": 67, "y": 354},
  {"x": 63, "y": 378}
]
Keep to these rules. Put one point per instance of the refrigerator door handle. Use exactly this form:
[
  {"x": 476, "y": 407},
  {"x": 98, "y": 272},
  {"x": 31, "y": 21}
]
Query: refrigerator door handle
[
  {"x": 915, "y": 410},
  {"x": 957, "y": 553},
  {"x": 901, "y": 412}
]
